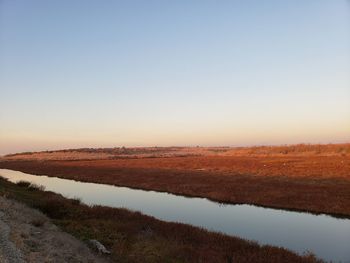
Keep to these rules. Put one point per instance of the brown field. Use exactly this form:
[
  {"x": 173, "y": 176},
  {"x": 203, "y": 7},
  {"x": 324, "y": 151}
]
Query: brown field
[
  {"x": 313, "y": 178},
  {"x": 133, "y": 237}
]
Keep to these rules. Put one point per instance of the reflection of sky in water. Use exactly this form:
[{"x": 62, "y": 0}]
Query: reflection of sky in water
[{"x": 325, "y": 236}]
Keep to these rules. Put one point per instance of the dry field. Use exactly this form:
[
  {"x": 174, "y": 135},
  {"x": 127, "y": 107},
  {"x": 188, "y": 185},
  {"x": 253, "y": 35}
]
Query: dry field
[
  {"x": 157, "y": 152},
  {"x": 313, "y": 178}
]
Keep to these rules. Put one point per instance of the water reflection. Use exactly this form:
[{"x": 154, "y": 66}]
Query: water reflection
[{"x": 327, "y": 237}]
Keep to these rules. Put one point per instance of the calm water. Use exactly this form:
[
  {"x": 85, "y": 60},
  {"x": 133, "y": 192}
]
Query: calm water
[{"x": 325, "y": 236}]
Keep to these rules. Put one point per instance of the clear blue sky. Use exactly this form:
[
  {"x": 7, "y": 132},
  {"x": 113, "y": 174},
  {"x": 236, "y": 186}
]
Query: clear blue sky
[{"x": 114, "y": 73}]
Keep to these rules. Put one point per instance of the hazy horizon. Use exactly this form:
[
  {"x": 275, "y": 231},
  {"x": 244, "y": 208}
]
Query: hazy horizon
[{"x": 183, "y": 73}]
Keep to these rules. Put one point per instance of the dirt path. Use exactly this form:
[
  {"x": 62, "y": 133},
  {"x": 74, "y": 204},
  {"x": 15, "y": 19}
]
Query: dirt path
[
  {"x": 8, "y": 251},
  {"x": 26, "y": 235}
]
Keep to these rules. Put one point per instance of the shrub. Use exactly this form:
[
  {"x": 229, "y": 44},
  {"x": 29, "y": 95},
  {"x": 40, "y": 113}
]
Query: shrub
[
  {"x": 36, "y": 187},
  {"x": 30, "y": 186},
  {"x": 38, "y": 222},
  {"x": 23, "y": 183},
  {"x": 75, "y": 201},
  {"x": 53, "y": 207}
]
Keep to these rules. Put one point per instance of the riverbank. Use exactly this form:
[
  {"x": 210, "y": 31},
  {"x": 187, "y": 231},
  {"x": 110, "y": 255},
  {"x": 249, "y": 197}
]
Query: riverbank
[
  {"x": 133, "y": 237},
  {"x": 28, "y": 236},
  {"x": 314, "y": 179}
]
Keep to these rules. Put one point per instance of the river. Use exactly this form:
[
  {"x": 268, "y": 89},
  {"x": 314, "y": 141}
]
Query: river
[{"x": 325, "y": 236}]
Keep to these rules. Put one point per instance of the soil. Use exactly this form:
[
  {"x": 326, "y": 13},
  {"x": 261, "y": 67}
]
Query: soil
[{"x": 26, "y": 235}]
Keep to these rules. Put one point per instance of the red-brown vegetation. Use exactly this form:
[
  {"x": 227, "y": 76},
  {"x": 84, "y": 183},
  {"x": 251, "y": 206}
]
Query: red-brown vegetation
[{"x": 314, "y": 178}]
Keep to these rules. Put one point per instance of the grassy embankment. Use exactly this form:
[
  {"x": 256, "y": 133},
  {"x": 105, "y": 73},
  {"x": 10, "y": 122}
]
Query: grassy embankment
[{"x": 133, "y": 237}]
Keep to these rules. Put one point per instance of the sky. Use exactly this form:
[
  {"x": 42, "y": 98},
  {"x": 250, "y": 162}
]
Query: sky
[{"x": 183, "y": 72}]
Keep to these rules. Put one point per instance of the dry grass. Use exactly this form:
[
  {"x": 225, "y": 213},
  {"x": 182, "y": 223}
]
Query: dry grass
[
  {"x": 162, "y": 152},
  {"x": 294, "y": 150}
]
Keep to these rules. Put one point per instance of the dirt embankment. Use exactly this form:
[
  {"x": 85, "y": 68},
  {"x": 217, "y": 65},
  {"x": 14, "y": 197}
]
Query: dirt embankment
[{"x": 26, "y": 235}]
